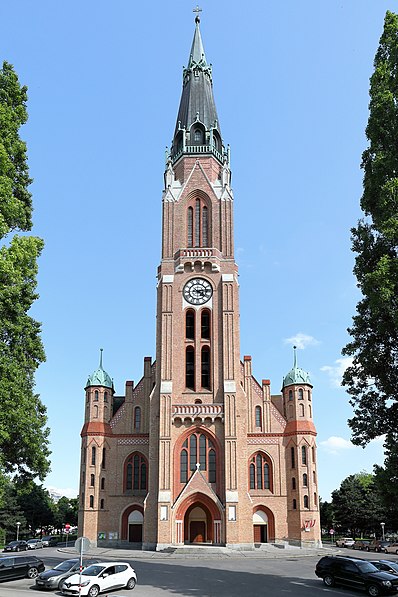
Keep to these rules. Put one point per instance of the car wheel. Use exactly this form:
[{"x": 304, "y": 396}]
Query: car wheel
[
  {"x": 61, "y": 582},
  {"x": 328, "y": 580},
  {"x": 373, "y": 590},
  {"x": 131, "y": 584},
  {"x": 368, "y": 549},
  {"x": 32, "y": 572},
  {"x": 94, "y": 591}
]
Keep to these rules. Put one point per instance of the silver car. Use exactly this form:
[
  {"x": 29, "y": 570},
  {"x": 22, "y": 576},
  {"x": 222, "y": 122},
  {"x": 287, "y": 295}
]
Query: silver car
[{"x": 35, "y": 543}]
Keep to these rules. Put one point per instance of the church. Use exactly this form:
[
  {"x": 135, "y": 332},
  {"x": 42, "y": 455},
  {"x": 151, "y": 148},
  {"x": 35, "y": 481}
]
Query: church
[{"x": 198, "y": 451}]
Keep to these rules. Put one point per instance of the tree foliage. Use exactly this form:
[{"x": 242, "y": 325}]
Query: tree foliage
[
  {"x": 372, "y": 380},
  {"x": 23, "y": 433},
  {"x": 386, "y": 477},
  {"x": 35, "y": 502},
  {"x": 357, "y": 505}
]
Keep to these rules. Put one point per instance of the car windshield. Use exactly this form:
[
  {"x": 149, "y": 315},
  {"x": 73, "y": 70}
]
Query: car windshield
[
  {"x": 65, "y": 566},
  {"x": 367, "y": 567},
  {"x": 93, "y": 570},
  {"x": 393, "y": 565},
  {"x": 12, "y": 543}
]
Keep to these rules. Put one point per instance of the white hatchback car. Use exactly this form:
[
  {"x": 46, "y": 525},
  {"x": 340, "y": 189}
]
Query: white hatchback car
[{"x": 101, "y": 577}]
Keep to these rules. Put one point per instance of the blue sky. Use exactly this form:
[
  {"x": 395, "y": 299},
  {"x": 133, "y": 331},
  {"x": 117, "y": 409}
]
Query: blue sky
[{"x": 291, "y": 84}]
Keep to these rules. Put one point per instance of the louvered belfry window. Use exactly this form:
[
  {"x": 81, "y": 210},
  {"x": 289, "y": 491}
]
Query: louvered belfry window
[{"x": 198, "y": 226}]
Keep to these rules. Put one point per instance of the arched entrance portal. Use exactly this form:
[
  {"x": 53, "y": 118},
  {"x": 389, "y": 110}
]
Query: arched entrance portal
[
  {"x": 135, "y": 522},
  {"x": 263, "y": 525},
  {"x": 132, "y": 524},
  {"x": 198, "y": 520}
]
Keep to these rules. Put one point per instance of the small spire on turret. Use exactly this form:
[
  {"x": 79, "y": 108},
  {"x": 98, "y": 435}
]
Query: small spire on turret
[
  {"x": 100, "y": 363},
  {"x": 294, "y": 357}
]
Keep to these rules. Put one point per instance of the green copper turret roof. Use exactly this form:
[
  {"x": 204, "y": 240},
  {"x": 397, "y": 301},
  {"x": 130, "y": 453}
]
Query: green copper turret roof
[
  {"x": 100, "y": 377},
  {"x": 197, "y": 101},
  {"x": 296, "y": 375}
]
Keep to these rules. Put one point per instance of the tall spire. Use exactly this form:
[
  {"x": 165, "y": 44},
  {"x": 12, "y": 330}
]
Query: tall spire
[{"x": 197, "y": 120}]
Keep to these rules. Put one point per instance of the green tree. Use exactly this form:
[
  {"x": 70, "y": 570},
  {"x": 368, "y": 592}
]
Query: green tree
[
  {"x": 326, "y": 512},
  {"x": 386, "y": 478},
  {"x": 372, "y": 379},
  {"x": 23, "y": 433},
  {"x": 65, "y": 512},
  {"x": 357, "y": 505},
  {"x": 36, "y": 505},
  {"x": 11, "y": 513}
]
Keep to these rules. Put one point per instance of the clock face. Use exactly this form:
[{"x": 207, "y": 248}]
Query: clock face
[{"x": 197, "y": 291}]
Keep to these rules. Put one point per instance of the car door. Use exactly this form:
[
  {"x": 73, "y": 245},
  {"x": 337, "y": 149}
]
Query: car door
[
  {"x": 6, "y": 568},
  {"x": 348, "y": 573},
  {"x": 108, "y": 578}
]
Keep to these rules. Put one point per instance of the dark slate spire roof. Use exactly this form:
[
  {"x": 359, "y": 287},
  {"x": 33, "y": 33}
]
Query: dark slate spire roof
[{"x": 197, "y": 101}]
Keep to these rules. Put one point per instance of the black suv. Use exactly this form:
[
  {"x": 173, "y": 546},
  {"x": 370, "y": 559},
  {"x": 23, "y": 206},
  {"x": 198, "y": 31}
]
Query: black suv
[
  {"x": 20, "y": 566},
  {"x": 357, "y": 574}
]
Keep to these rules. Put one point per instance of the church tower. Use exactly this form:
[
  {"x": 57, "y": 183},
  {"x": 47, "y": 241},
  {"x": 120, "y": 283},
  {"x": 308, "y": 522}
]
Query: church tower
[
  {"x": 198, "y": 405},
  {"x": 198, "y": 451}
]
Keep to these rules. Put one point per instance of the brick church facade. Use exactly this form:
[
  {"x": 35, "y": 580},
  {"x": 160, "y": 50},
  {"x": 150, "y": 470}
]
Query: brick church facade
[{"x": 198, "y": 451}]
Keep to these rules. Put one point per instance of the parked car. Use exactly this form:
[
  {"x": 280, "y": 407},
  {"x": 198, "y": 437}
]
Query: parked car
[
  {"x": 345, "y": 542},
  {"x": 34, "y": 544},
  {"x": 20, "y": 566},
  {"x": 362, "y": 545},
  {"x": 54, "y": 578},
  {"x": 101, "y": 577},
  {"x": 392, "y": 548},
  {"x": 49, "y": 541},
  {"x": 386, "y": 565},
  {"x": 378, "y": 545},
  {"x": 356, "y": 573},
  {"x": 16, "y": 546}
]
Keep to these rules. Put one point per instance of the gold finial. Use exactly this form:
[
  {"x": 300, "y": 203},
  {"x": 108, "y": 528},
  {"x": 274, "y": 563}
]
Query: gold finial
[{"x": 197, "y": 10}]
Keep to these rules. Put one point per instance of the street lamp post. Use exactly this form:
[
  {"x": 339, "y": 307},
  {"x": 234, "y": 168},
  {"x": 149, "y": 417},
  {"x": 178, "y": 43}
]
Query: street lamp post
[
  {"x": 382, "y": 524},
  {"x": 18, "y": 525}
]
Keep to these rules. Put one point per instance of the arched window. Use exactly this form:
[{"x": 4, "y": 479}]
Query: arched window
[
  {"x": 190, "y": 324},
  {"x": 93, "y": 455},
  {"x": 309, "y": 394},
  {"x": 205, "y": 366},
  {"x": 92, "y": 480},
  {"x": 294, "y": 504},
  {"x": 190, "y": 368},
  {"x": 103, "y": 457},
  {"x": 309, "y": 410},
  {"x": 292, "y": 457},
  {"x": 137, "y": 418},
  {"x": 290, "y": 395},
  {"x": 258, "y": 416},
  {"x": 205, "y": 227},
  {"x": 313, "y": 454},
  {"x": 105, "y": 396},
  {"x": 301, "y": 395},
  {"x": 293, "y": 482},
  {"x": 102, "y": 504},
  {"x": 301, "y": 407},
  {"x": 306, "y": 501},
  {"x": 103, "y": 483},
  {"x": 205, "y": 324},
  {"x": 96, "y": 395},
  {"x": 198, "y": 136},
  {"x": 95, "y": 413},
  {"x": 315, "y": 500},
  {"x": 303, "y": 454},
  {"x": 305, "y": 480},
  {"x": 198, "y": 224},
  {"x": 290, "y": 411},
  {"x": 314, "y": 476},
  {"x": 260, "y": 472},
  {"x": 135, "y": 472},
  {"x": 91, "y": 501},
  {"x": 190, "y": 227},
  {"x": 198, "y": 449}
]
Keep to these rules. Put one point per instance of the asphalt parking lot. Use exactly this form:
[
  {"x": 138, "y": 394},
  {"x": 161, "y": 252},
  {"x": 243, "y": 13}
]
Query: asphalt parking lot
[{"x": 218, "y": 576}]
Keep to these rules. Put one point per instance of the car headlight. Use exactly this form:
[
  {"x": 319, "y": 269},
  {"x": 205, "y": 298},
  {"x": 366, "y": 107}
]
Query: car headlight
[
  {"x": 85, "y": 583},
  {"x": 387, "y": 583}
]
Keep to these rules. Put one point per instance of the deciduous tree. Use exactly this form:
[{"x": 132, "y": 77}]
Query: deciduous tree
[
  {"x": 23, "y": 432},
  {"x": 372, "y": 380}
]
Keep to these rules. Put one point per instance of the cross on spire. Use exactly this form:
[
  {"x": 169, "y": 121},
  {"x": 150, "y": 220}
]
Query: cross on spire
[{"x": 197, "y": 10}]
